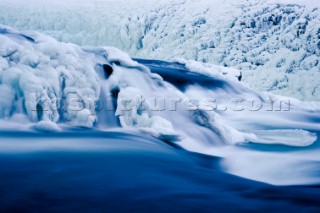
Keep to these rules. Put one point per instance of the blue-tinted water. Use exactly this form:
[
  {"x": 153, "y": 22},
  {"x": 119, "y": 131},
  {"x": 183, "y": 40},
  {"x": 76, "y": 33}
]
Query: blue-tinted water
[
  {"x": 128, "y": 172},
  {"x": 179, "y": 76},
  {"x": 92, "y": 171}
]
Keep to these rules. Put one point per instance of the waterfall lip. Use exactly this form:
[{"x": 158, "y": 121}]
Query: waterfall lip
[{"x": 79, "y": 134}]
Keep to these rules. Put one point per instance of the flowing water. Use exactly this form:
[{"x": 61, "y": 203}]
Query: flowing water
[
  {"x": 171, "y": 160},
  {"x": 117, "y": 171}
]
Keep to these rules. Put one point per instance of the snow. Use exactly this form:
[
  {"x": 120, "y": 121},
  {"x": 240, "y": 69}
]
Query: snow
[
  {"x": 133, "y": 112},
  {"x": 37, "y": 72},
  {"x": 273, "y": 42},
  {"x": 308, "y": 3},
  {"x": 57, "y": 82},
  {"x": 47, "y": 126},
  {"x": 210, "y": 69}
]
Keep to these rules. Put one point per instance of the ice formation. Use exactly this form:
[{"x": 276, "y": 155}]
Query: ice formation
[
  {"x": 274, "y": 42},
  {"x": 38, "y": 74},
  {"x": 55, "y": 84}
]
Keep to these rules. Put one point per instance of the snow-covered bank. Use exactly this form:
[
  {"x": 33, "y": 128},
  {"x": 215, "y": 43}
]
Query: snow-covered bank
[{"x": 274, "y": 42}]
